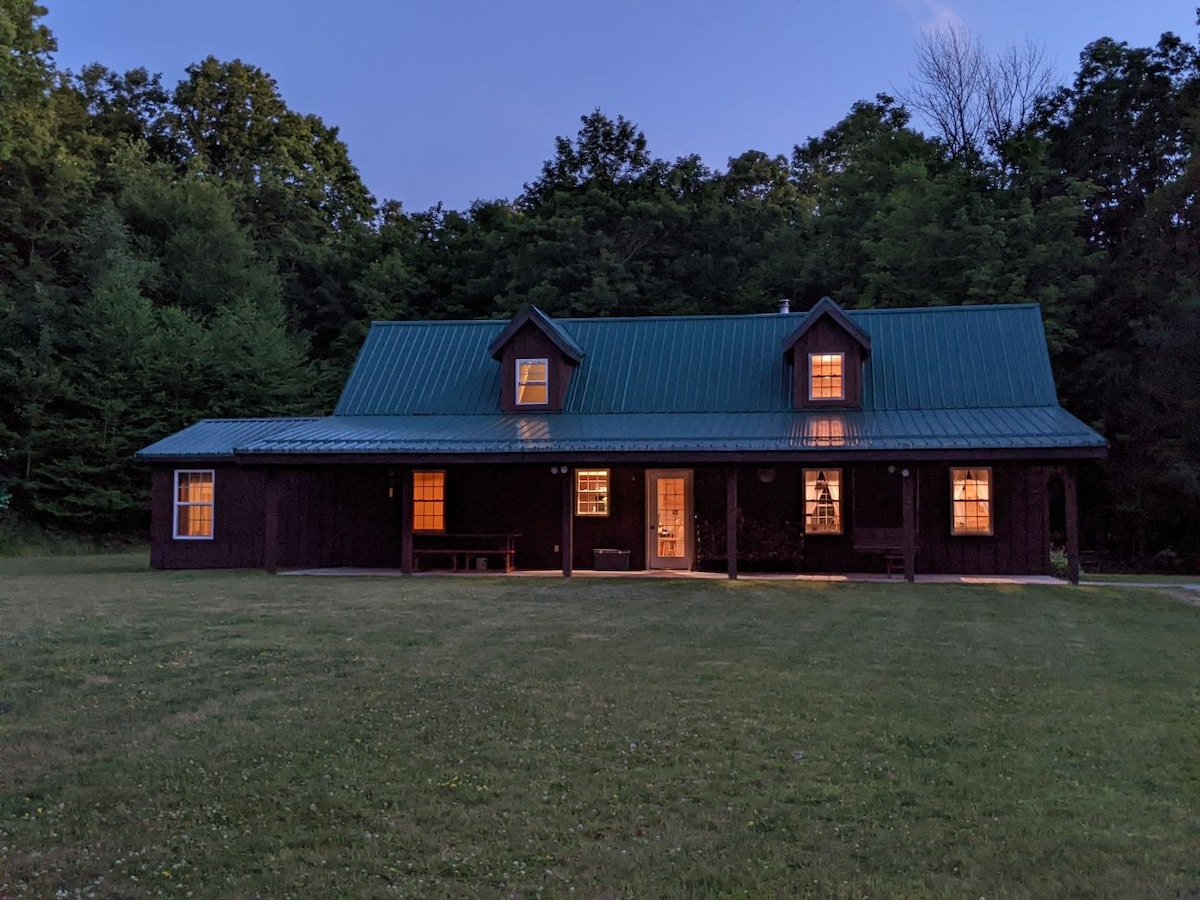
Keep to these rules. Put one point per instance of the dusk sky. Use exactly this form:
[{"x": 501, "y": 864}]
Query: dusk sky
[{"x": 454, "y": 100}]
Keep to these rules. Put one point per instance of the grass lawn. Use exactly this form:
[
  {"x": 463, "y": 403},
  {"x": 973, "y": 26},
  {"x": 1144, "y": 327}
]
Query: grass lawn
[
  {"x": 1142, "y": 579},
  {"x": 235, "y": 734}
]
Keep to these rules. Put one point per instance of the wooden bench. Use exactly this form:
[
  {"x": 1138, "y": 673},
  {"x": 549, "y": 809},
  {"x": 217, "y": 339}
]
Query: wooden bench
[
  {"x": 466, "y": 548},
  {"x": 885, "y": 542}
]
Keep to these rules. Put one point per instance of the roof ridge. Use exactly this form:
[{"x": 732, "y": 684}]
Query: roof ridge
[{"x": 686, "y": 317}]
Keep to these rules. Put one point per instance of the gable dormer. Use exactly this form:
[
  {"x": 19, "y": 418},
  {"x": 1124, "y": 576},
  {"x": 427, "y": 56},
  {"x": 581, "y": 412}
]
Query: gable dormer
[
  {"x": 827, "y": 353},
  {"x": 537, "y": 358}
]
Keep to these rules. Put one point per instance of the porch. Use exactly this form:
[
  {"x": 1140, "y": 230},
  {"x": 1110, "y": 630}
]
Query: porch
[{"x": 774, "y": 518}]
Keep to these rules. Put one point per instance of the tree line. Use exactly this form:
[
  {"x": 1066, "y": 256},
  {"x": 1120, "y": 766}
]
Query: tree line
[{"x": 203, "y": 250}]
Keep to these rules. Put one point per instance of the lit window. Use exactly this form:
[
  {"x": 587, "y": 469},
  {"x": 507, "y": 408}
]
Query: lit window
[
  {"x": 429, "y": 501},
  {"x": 825, "y": 376},
  {"x": 533, "y": 386},
  {"x": 591, "y": 492},
  {"x": 823, "y": 501},
  {"x": 194, "y": 492},
  {"x": 972, "y": 493}
]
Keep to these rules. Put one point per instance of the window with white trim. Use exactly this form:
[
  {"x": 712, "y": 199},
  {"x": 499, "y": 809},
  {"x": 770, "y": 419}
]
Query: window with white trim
[
  {"x": 195, "y": 492},
  {"x": 971, "y": 493},
  {"x": 429, "y": 501},
  {"x": 591, "y": 492},
  {"x": 533, "y": 382},
  {"x": 823, "y": 501},
  {"x": 825, "y": 381}
]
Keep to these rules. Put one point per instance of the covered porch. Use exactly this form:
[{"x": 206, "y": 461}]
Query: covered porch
[{"x": 760, "y": 518}]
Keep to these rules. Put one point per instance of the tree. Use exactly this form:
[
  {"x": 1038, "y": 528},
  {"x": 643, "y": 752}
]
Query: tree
[
  {"x": 975, "y": 102},
  {"x": 603, "y": 155}
]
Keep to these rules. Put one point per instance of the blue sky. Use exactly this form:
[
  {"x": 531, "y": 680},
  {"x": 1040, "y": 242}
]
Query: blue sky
[{"x": 453, "y": 100}]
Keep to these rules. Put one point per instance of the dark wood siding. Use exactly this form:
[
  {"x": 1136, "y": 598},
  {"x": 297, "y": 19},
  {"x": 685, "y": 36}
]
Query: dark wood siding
[
  {"x": 238, "y": 514},
  {"x": 347, "y": 516},
  {"x": 624, "y": 528}
]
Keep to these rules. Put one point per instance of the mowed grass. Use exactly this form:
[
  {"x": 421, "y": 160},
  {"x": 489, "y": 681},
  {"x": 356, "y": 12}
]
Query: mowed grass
[{"x": 237, "y": 735}]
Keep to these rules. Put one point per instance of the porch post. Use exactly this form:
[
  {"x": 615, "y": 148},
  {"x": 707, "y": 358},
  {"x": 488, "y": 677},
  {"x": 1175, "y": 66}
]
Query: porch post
[
  {"x": 271, "y": 524},
  {"x": 1071, "y": 495},
  {"x": 731, "y": 508},
  {"x": 568, "y": 520},
  {"x": 909, "y": 535},
  {"x": 406, "y": 520}
]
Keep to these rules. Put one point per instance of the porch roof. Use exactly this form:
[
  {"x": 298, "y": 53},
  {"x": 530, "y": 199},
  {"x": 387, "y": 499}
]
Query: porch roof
[{"x": 1023, "y": 428}]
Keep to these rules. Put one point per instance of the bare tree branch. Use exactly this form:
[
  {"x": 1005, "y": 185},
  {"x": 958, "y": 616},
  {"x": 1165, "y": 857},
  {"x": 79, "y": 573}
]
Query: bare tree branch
[{"x": 973, "y": 101}]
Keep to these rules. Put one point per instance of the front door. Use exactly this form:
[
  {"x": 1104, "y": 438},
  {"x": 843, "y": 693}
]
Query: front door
[{"x": 669, "y": 513}]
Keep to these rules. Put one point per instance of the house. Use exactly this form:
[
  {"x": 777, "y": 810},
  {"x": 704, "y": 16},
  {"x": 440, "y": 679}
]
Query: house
[{"x": 925, "y": 440}]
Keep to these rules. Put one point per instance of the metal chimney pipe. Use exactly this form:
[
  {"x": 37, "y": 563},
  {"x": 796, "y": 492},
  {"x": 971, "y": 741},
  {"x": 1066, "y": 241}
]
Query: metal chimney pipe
[{"x": 785, "y": 306}]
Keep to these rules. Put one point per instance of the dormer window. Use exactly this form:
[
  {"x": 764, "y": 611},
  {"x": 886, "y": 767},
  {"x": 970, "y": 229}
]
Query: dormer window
[
  {"x": 537, "y": 358},
  {"x": 533, "y": 382},
  {"x": 825, "y": 376},
  {"x": 827, "y": 355}
]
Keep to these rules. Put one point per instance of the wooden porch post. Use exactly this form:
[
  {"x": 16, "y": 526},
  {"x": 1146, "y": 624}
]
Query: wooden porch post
[
  {"x": 909, "y": 536},
  {"x": 406, "y": 520},
  {"x": 568, "y": 520},
  {"x": 1071, "y": 495},
  {"x": 731, "y": 509},
  {"x": 271, "y": 524}
]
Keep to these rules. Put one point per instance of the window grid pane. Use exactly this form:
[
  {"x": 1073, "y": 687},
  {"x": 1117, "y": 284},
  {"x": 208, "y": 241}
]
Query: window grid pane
[
  {"x": 823, "y": 501},
  {"x": 825, "y": 376},
  {"x": 671, "y": 508},
  {"x": 429, "y": 501},
  {"x": 194, "y": 493},
  {"x": 533, "y": 385},
  {"x": 971, "y": 492},
  {"x": 591, "y": 492}
]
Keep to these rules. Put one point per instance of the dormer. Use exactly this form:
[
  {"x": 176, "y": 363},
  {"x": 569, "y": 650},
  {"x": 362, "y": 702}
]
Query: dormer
[
  {"x": 537, "y": 358},
  {"x": 827, "y": 353}
]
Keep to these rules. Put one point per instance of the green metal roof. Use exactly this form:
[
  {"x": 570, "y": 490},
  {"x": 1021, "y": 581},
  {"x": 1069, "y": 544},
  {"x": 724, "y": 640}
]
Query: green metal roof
[
  {"x": 942, "y": 357},
  {"x": 213, "y": 438},
  {"x": 947, "y": 378}
]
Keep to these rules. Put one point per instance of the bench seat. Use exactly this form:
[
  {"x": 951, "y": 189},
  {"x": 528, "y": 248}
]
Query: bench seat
[
  {"x": 462, "y": 550},
  {"x": 885, "y": 542}
]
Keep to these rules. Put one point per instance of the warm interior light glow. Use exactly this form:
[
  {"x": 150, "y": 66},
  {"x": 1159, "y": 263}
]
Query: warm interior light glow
[
  {"x": 971, "y": 490},
  {"x": 823, "y": 501},
  {"x": 825, "y": 431},
  {"x": 533, "y": 386},
  {"x": 825, "y": 376},
  {"x": 672, "y": 539},
  {"x": 429, "y": 501},
  {"x": 194, "y": 501},
  {"x": 591, "y": 492}
]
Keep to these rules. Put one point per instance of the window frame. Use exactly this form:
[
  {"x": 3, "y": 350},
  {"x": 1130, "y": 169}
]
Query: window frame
[
  {"x": 836, "y": 498},
  {"x": 440, "y": 502},
  {"x": 989, "y": 485},
  {"x": 211, "y": 504},
  {"x": 544, "y": 362},
  {"x": 839, "y": 378},
  {"x": 604, "y": 493}
]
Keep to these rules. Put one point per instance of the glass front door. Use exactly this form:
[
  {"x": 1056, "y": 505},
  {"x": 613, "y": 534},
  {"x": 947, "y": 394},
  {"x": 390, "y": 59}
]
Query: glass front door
[{"x": 669, "y": 514}]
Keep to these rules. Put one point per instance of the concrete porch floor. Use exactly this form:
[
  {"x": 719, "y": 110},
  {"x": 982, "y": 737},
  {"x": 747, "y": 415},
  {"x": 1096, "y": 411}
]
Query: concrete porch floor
[{"x": 683, "y": 573}]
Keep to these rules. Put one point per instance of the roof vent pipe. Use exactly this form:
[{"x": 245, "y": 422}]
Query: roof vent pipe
[{"x": 785, "y": 306}]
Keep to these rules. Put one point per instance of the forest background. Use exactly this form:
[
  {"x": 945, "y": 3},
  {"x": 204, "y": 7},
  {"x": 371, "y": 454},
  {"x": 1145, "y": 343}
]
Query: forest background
[{"x": 170, "y": 253}]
